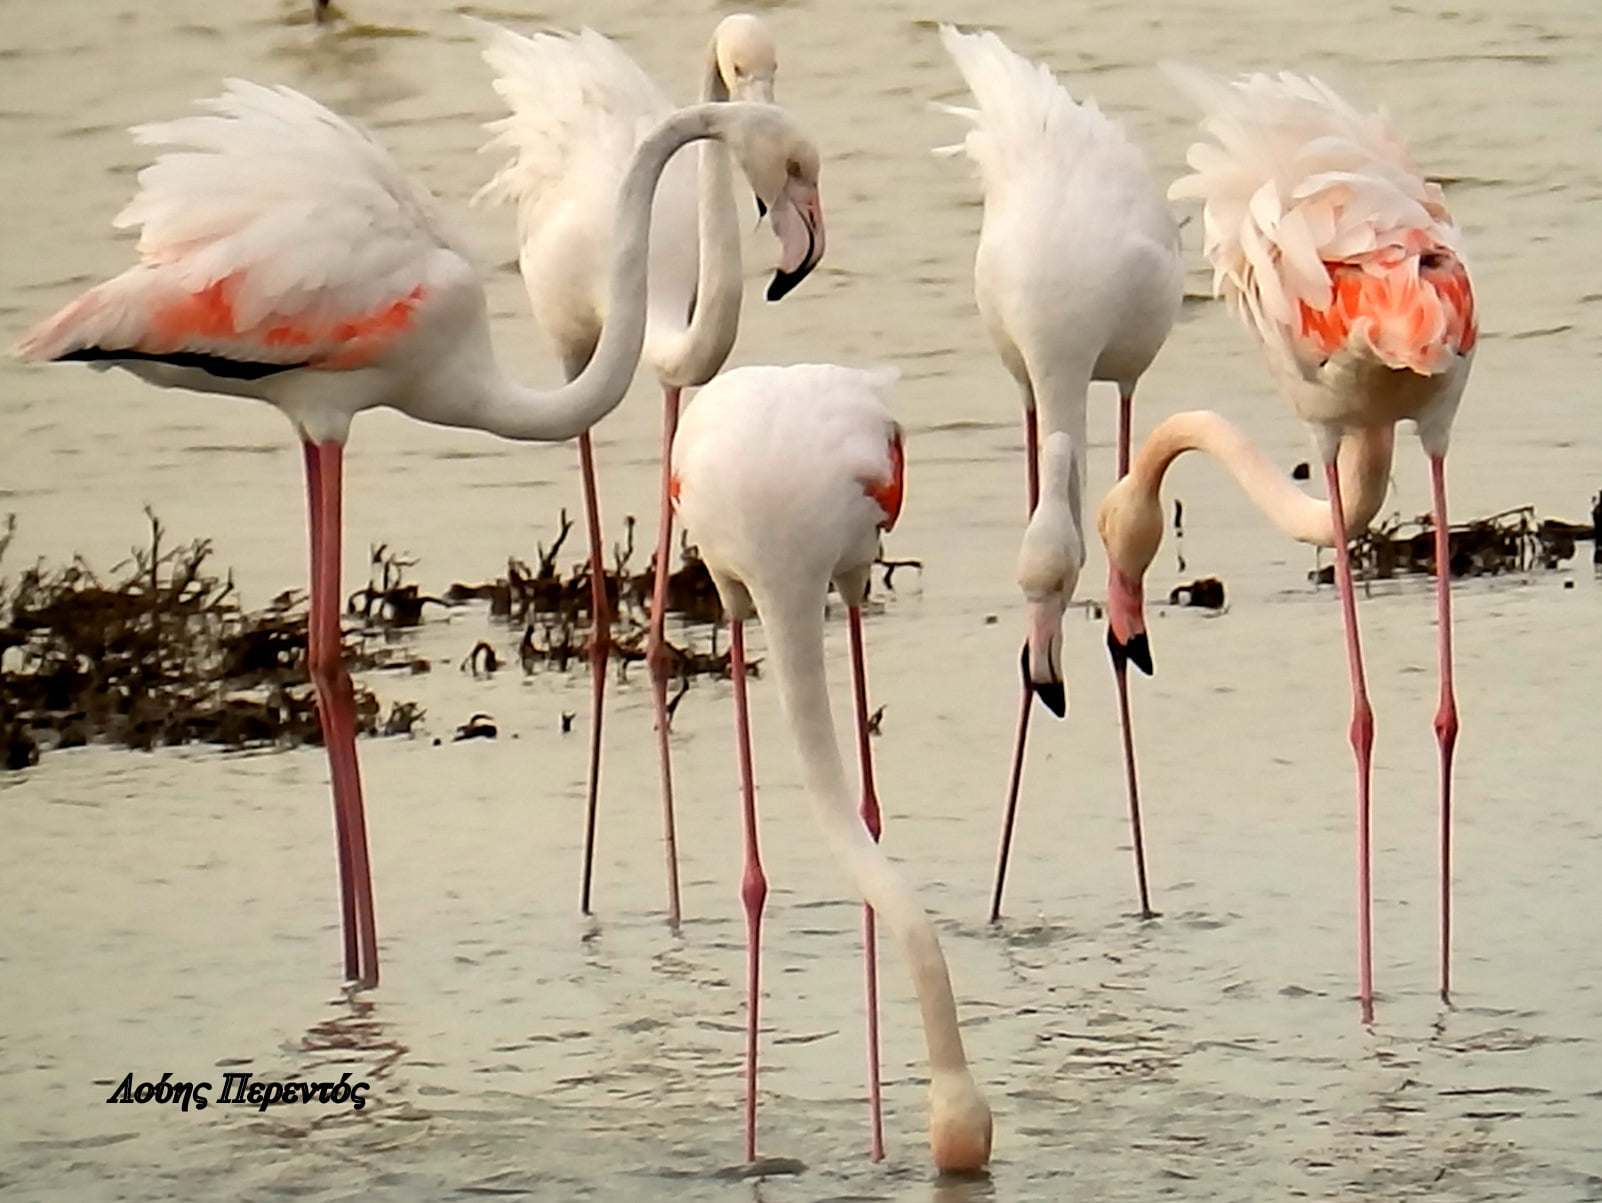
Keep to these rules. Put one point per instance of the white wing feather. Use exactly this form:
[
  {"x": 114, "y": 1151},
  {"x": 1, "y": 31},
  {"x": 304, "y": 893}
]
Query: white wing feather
[
  {"x": 1025, "y": 121},
  {"x": 578, "y": 105},
  {"x": 271, "y": 183},
  {"x": 304, "y": 218}
]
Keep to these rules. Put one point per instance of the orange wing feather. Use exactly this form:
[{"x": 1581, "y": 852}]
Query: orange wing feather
[
  {"x": 1412, "y": 311},
  {"x": 888, "y": 493}
]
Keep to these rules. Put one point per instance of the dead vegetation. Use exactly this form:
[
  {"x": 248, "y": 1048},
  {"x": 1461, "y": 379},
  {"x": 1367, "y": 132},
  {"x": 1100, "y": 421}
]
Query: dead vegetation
[
  {"x": 160, "y": 652},
  {"x": 1512, "y": 541},
  {"x": 157, "y": 652}
]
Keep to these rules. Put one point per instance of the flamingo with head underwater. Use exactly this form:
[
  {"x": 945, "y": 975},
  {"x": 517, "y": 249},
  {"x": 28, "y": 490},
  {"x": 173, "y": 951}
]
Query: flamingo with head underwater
[
  {"x": 1078, "y": 279},
  {"x": 785, "y": 477},
  {"x": 284, "y": 256},
  {"x": 1344, "y": 264},
  {"x": 579, "y": 105}
]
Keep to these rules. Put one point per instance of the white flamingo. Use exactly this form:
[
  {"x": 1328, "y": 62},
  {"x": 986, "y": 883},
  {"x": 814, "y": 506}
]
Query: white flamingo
[
  {"x": 579, "y": 105},
  {"x": 1344, "y": 264},
  {"x": 785, "y": 477},
  {"x": 1078, "y": 278},
  {"x": 284, "y": 256}
]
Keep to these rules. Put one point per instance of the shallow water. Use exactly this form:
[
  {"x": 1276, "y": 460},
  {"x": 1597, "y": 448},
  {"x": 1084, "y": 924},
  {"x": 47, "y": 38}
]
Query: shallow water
[{"x": 174, "y": 912}]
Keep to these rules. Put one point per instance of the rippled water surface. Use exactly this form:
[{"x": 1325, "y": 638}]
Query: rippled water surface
[{"x": 174, "y": 912}]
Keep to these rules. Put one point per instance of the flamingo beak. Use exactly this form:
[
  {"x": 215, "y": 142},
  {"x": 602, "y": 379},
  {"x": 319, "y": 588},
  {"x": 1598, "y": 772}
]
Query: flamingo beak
[
  {"x": 1042, "y": 653},
  {"x": 797, "y": 216},
  {"x": 1126, "y": 622}
]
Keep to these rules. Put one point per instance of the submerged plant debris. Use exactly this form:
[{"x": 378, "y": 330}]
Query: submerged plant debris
[
  {"x": 159, "y": 652},
  {"x": 553, "y": 611},
  {"x": 1512, "y": 541}
]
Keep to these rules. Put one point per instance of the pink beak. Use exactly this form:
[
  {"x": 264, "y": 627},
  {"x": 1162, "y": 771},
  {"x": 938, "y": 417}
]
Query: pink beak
[{"x": 798, "y": 221}]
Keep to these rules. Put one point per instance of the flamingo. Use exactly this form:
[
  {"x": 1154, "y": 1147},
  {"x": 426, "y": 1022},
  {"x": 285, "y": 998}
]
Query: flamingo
[
  {"x": 785, "y": 476},
  {"x": 285, "y": 257},
  {"x": 1343, "y": 262},
  {"x": 579, "y": 105},
  {"x": 1078, "y": 278}
]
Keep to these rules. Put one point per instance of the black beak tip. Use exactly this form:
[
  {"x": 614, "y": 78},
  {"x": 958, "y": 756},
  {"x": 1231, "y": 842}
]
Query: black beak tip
[
  {"x": 1053, "y": 695},
  {"x": 762, "y": 207},
  {"x": 782, "y": 283},
  {"x": 1137, "y": 652},
  {"x": 1140, "y": 653}
]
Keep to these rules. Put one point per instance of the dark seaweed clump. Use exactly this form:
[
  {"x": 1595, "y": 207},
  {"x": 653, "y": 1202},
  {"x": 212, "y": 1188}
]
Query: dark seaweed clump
[
  {"x": 1512, "y": 541},
  {"x": 552, "y": 610},
  {"x": 158, "y": 652}
]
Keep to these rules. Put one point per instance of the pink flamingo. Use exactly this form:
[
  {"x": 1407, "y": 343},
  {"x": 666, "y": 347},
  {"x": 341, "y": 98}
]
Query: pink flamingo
[
  {"x": 284, "y": 256},
  {"x": 785, "y": 478},
  {"x": 579, "y": 105},
  {"x": 1344, "y": 263},
  {"x": 1078, "y": 278}
]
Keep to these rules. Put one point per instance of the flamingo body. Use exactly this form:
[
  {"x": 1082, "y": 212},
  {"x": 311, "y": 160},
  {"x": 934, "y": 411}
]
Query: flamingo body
[
  {"x": 280, "y": 245},
  {"x": 1078, "y": 279},
  {"x": 1346, "y": 266},
  {"x": 785, "y": 478}
]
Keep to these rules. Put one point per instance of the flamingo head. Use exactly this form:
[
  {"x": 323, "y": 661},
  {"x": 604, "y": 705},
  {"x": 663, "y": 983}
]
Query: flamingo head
[
  {"x": 781, "y": 164},
  {"x": 960, "y": 1126},
  {"x": 1130, "y": 522},
  {"x": 742, "y": 60},
  {"x": 1049, "y": 561}
]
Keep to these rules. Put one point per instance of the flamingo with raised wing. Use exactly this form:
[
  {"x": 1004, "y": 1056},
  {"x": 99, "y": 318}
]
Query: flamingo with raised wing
[
  {"x": 1078, "y": 279},
  {"x": 284, "y": 256},
  {"x": 785, "y": 477},
  {"x": 1343, "y": 262},
  {"x": 579, "y": 105}
]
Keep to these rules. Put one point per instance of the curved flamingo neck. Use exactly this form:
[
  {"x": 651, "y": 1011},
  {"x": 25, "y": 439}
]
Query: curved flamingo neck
[
  {"x": 794, "y": 631},
  {"x": 691, "y": 355},
  {"x": 1363, "y": 458},
  {"x": 515, "y": 411}
]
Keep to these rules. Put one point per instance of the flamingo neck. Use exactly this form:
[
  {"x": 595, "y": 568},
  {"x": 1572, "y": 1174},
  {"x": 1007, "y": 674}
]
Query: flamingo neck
[
  {"x": 515, "y": 411},
  {"x": 794, "y": 632},
  {"x": 1060, "y": 388},
  {"x": 691, "y": 355},
  {"x": 1363, "y": 458}
]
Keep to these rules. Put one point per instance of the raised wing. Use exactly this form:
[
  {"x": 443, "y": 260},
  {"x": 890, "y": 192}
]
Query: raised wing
[
  {"x": 579, "y": 106},
  {"x": 1025, "y": 122},
  {"x": 272, "y": 231}
]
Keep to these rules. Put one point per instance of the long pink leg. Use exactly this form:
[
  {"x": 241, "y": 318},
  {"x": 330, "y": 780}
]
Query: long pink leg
[
  {"x": 314, "y": 655},
  {"x": 1446, "y": 713},
  {"x": 753, "y": 883},
  {"x": 336, "y": 708},
  {"x": 1362, "y": 737},
  {"x": 873, "y": 821},
  {"x": 1120, "y": 665},
  {"x": 1015, "y": 777},
  {"x": 656, "y": 653},
  {"x": 599, "y": 649}
]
